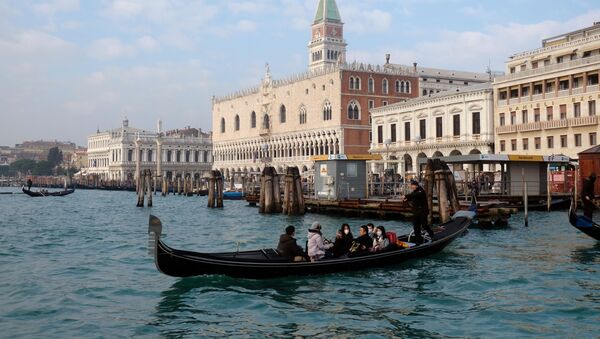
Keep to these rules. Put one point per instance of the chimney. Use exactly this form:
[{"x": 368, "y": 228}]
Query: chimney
[
  {"x": 387, "y": 59},
  {"x": 415, "y": 67}
]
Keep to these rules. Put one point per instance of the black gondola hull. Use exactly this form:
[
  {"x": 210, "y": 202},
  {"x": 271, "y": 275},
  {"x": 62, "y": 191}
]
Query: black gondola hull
[
  {"x": 583, "y": 223},
  {"x": 180, "y": 263},
  {"x": 48, "y": 194}
]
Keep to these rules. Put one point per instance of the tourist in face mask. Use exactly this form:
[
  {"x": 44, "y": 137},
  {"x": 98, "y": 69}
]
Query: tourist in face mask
[
  {"x": 380, "y": 240},
  {"x": 371, "y": 229},
  {"x": 343, "y": 241}
]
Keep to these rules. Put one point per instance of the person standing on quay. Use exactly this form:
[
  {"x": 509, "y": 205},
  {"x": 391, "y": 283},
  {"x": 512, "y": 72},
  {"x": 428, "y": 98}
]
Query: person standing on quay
[
  {"x": 587, "y": 195},
  {"x": 418, "y": 200}
]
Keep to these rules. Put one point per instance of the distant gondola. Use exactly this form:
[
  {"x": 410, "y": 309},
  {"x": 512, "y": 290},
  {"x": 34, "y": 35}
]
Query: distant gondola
[
  {"x": 47, "y": 194},
  {"x": 583, "y": 223},
  {"x": 267, "y": 263}
]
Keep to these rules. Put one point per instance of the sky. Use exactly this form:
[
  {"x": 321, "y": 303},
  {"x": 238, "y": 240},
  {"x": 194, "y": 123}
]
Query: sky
[{"x": 71, "y": 67}]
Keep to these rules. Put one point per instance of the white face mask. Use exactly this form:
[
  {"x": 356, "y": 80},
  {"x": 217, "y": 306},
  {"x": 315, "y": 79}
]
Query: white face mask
[
  {"x": 379, "y": 233},
  {"x": 346, "y": 231}
]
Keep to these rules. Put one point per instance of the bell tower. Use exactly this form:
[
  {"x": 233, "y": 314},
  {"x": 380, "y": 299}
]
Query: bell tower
[{"x": 327, "y": 44}]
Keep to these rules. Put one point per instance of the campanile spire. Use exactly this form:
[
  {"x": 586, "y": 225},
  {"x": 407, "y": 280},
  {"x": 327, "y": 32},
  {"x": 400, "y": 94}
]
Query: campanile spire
[{"x": 327, "y": 44}]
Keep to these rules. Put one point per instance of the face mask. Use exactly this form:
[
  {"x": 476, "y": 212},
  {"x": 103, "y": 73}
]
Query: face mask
[
  {"x": 370, "y": 231},
  {"x": 346, "y": 231},
  {"x": 379, "y": 233}
]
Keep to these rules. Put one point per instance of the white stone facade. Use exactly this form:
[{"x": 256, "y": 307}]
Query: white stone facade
[
  {"x": 454, "y": 123},
  {"x": 547, "y": 103},
  {"x": 112, "y": 154}
]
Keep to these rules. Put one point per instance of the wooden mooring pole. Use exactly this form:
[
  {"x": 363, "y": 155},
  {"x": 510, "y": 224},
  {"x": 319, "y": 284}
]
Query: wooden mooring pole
[
  {"x": 293, "y": 198},
  {"x": 270, "y": 195},
  {"x": 215, "y": 189}
]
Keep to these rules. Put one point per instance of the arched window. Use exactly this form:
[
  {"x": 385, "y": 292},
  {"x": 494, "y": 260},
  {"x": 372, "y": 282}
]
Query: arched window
[
  {"x": 408, "y": 87},
  {"x": 397, "y": 86},
  {"x": 353, "y": 110},
  {"x": 357, "y": 83},
  {"x": 222, "y": 125},
  {"x": 402, "y": 87},
  {"x": 282, "y": 114},
  {"x": 424, "y": 92},
  {"x": 302, "y": 115},
  {"x": 327, "y": 110},
  {"x": 351, "y": 82},
  {"x": 371, "y": 85},
  {"x": 384, "y": 86},
  {"x": 237, "y": 122},
  {"x": 253, "y": 119},
  {"x": 149, "y": 155},
  {"x": 266, "y": 123}
]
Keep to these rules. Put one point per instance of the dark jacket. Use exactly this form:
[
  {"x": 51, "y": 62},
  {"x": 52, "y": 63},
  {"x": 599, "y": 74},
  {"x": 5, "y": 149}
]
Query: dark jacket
[
  {"x": 418, "y": 201},
  {"x": 588, "y": 188},
  {"x": 365, "y": 240},
  {"x": 342, "y": 245},
  {"x": 287, "y": 246}
]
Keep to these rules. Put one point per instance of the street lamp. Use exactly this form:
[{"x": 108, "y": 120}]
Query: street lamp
[
  {"x": 418, "y": 141},
  {"x": 387, "y": 144}
]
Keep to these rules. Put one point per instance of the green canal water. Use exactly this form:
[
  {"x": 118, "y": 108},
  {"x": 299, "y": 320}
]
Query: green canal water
[{"x": 78, "y": 266}]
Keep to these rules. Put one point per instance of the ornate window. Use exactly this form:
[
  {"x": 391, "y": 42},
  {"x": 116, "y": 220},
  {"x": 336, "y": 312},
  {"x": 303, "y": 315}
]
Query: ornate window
[
  {"x": 266, "y": 123},
  {"x": 302, "y": 115},
  {"x": 222, "y": 125},
  {"x": 397, "y": 86},
  {"x": 282, "y": 114},
  {"x": 327, "y": 110},
  {"x": 353, "y": 110},
  {"x": 357, "y": 83},
  {"x": 402, "y": 88},
  {"x": 237, "y": 123},
  {"x": 408, "y": 87},
  {"x": 351, "y": 82},
  {"x": 253, "y": 119},
  {"x": 371, "y": 85},
  {"x": 384, "y": 86}
]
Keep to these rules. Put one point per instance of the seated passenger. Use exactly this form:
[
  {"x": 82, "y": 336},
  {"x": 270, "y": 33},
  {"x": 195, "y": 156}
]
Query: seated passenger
[
  {"x": 363, "y": 242},
  {"x": 315, "y": 245},
  {"x": 287, "y": 246},
  {"x": 343, "y": 241},
  {"x": 380, "y": 241},
  {"x": 371, "y": 229}
]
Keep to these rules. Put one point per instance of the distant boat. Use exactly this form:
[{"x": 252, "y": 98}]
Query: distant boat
[
  {"x": 583, "y": 223},
  {"x": 233, "y": 195},
  {"x": 268, "y": 263},
  {"x": 47, "y": 194}
]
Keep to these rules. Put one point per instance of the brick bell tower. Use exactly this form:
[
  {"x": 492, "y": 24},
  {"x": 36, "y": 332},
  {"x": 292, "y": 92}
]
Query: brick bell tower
[{"x": 327, "y": 44}]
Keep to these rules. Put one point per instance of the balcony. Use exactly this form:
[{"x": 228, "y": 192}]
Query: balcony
[
  {"x": 583, "y": 121},
  {"x": 550, "y": 68},
  {"x": 532, "y": 126},
  {"x": 554, "y": 124},
  {"x": 577, "y": 90},
  {"x": 513, "y": 101},
  {"x": 264, "y": 131},
  {"x": 562, "y": 93},
  {"x": 506, "y": 129},
  {"x": 591, "y": 88}
]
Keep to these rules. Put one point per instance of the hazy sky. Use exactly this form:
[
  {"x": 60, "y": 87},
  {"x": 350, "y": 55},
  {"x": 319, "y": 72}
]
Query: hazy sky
[{"x": 69, "y": 67}]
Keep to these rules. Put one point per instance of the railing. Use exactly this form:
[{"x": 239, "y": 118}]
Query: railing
[
  {"x": 577, "y": 90},
  {"x": 532, "y": 126},
  {"x": 591, "y": 88},
  {"x": 546, "y": 69},
  {"x": 264, "y": 131},
  {"x": 553, "y": 124},
  {"x": 583, "y": 121},
  {"x": 506, "y": 129}
]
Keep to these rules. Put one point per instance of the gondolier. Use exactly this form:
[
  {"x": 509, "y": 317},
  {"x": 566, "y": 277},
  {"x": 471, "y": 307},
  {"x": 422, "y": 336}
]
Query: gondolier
[
  {"x": 587, "y": 195},
  {"x": 418, "y": 200}
]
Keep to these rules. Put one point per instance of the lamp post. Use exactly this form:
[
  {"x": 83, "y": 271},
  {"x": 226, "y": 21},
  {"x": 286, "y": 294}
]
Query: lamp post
[
  {"x": 418, "y": 141},
  {"x": 265, "y": 158},
  {"x": 387, "y": 143}
]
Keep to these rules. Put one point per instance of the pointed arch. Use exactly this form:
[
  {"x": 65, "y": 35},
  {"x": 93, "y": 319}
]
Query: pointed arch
[
  {"x": 302, "y": 114},
  {"x": 385, "y": 86},
  {"x": 236, "y": 123},
  {"x": 351, "y": 83},
  {"x": 408, "y": 90},
  {"x": 371, "y": 85},
  {"x": 357, "y": 82},
  {"x": 253, "y": 119},
  {"x": 222, "y": 125},
  {"x": 398, "y": 86},
  {"x": 327, "y": 110},
  {"x": 353, "y": 110},
  {"x": 282, "y": 114},
  {"x": 266, "y": 123}
]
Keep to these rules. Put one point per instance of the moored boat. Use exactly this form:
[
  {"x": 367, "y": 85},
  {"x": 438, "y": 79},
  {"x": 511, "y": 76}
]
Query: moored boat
[
  {"x": 233, "y": 195},
  {"x": 583, "y": 223},
  {"x": 267, "y": 263}
]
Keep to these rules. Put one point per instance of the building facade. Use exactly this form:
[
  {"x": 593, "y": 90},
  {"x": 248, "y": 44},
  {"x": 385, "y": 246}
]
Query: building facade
[
  {"x": 546, "y": 102},
  {"x": 112, "y": 154},
  {"x": 323, "y": 111},
  {"x": 443, "y": 124}
]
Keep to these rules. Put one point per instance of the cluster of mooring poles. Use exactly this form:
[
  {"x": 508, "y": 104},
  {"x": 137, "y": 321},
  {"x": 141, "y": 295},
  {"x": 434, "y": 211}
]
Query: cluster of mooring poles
[
  {"x": 144, "y": 186},
  {"x": 270, "y": 192},
  {"x": 215, "y": 190},
  {"x": 439, "y": 176}
]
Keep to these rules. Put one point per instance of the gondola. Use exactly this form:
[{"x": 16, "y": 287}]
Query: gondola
[
  {"x": 48, "y": 194},
  {"x": 267, "y": 263},
  {"x": 233, "y": 195},
  {"x": 583, "y": 223}
]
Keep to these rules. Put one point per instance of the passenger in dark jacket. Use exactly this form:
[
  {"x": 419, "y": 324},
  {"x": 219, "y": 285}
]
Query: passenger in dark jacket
[
  {"x": 287, "y": 246},
  {"x": 587, "y": 195},
  {"x": 343, "y": 241},
  {"x": 418, "y": 201},
  {"x": 364, "y": 242}
]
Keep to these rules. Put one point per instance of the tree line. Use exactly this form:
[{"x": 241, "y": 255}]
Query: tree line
[{"x": 50, "y": 166}]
